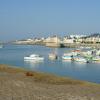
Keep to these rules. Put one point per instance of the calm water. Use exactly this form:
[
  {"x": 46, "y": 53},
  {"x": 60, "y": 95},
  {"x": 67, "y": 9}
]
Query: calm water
[{"x": 14, "y": 54}]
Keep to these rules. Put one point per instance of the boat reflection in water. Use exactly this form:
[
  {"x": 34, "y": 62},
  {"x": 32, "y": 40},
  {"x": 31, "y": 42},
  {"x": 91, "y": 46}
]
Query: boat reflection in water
[
  {"x": 65, "y": 61},
  {"x": 33, "y": 63}
]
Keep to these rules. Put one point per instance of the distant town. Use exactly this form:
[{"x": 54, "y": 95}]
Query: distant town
[{"x": 92, "y": 40}]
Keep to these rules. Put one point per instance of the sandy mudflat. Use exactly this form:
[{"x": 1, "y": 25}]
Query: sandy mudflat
[{"x": 18, "y": 84}]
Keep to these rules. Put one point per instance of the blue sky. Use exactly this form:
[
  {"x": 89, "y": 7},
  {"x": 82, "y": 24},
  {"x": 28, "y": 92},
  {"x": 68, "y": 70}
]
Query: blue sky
[{"x": 26, "y": 18}]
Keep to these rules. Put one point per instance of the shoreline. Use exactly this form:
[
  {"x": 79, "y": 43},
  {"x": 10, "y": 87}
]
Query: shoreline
[
  {"x": 15, "y": 69},
  {"x": 63, "y": 45},
  {"x": 38, "y": 75},
  {"x": 17, "y": 83}
]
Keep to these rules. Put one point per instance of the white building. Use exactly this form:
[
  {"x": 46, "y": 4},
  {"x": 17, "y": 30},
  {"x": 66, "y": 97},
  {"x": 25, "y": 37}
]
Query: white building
[
  {"x": 68, "y": 40},
  {"x": 77, "y": 36}
]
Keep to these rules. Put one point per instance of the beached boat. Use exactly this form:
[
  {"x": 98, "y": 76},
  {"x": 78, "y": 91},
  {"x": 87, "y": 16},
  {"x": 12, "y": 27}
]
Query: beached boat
[{"x": 34, "y": 57}]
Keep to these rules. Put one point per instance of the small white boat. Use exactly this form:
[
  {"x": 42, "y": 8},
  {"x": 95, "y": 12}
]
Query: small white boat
[
  {"x": 67, "y": 56},
  {"x": 53, "y": 56},
  {"x": 34, "y": 57},
  {"x": 80, "y": 59}
]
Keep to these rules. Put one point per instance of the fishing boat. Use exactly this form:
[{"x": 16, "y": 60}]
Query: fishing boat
[
  {"x": 53, "y": 56},
  {"x": 98, "y": 52},
  {"x": 96, "y": 58},
  {"x": 70, "y": 55},
  {"x": 80, "y": 59},
  {"x": 34, "y": 57}
]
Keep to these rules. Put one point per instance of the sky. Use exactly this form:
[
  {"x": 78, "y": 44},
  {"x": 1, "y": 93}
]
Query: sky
[{"x": 21, "y": 19}]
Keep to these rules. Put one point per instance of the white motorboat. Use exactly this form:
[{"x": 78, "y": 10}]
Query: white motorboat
[{"x": 34, "y": 57}]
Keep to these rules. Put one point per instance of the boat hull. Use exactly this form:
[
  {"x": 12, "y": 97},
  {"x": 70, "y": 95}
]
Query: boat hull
[
  {"x": 81, "y": 60},
  {"x": 30, "y": 58},
  {"x": 66, "y": 57},
  {"x": 53, "y": 56}
]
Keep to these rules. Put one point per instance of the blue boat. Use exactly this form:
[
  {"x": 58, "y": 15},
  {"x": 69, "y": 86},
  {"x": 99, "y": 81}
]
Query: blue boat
[{"x": 68, "y": 56}]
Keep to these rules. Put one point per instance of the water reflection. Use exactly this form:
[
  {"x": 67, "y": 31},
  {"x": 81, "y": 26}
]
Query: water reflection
[
  {"x": 66, "y": 61},
  {"x": 33, "y": 63},
  {"x": 80, "y": 64},
  {"x": 74, "y": 65}
]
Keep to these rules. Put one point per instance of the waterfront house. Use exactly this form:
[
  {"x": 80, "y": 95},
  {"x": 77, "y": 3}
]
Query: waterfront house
[
  {"x": 68, "y": 40},
  {"x": 93, "y": 38}
]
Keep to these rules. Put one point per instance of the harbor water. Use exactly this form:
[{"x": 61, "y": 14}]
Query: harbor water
[{"x": 14, "y": 55}]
